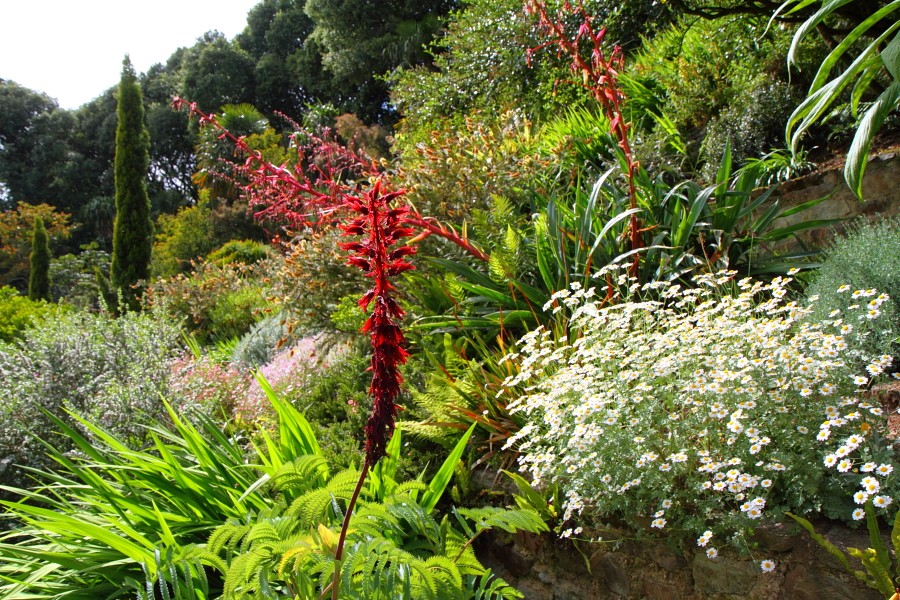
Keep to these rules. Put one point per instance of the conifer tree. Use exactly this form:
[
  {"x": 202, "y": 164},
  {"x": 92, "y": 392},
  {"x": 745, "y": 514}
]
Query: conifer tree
[
  {"x": 39, "y": 278},
  {"x": 133, "y": 228}
]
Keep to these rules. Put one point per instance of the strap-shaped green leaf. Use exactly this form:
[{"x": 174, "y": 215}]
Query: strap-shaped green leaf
[{"x": 858, "y": 155}]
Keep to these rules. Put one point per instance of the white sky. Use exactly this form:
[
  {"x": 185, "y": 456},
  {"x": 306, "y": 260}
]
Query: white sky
[{"x": 73, "y": 49}]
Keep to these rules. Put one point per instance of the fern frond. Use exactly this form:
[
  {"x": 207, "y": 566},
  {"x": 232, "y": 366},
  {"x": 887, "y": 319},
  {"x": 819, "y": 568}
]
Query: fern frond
[
  {"x": 407, "y": 487},
  {"x": 373, "y": 520},
  {"x": 382, "y": 563},
  {"x": 510, "y": 520},
  {"x": 313, "y": 506},
  {"x": 262, "y": 532},
  {"x": 225, "y": 538},
  {"x": 445, "y": 569},
  {"x": 876, "y": 576},
  {"x": 875, "y": 541},
  {"x": 488, "y": 587},
  {"x": 295, "y": 556},
  {"x": 300, "y": 474},
  {"x": 895, "y": 535}
]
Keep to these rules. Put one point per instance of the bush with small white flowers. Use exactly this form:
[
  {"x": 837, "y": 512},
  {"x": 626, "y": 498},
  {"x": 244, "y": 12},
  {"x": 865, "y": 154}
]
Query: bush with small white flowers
[{"x": 693, "y": 410}]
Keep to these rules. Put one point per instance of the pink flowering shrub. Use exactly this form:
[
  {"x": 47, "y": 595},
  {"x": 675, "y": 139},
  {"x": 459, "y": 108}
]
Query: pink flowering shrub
[
  {"x": 291, "y": 373},
  {"x": 204, "y": 385}
]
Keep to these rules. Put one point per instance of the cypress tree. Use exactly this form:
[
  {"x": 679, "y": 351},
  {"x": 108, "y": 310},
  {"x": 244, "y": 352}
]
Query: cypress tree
[
  {"x": 39, "y": 278},
  {"x": 133, "y": 228}
]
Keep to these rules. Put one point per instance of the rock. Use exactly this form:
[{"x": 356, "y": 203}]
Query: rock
[
  {"x": 810, "y": 583},
  {"x": 723, "y": 575},
  {"x": 777, "y": 537},
  {"x": 655, "y": 589},
  {"x": 614, "y": 574},
  {"x": 666, "y": 558}
]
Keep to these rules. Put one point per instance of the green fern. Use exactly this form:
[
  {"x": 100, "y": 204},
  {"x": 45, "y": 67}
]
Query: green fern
[
  {"x": 299, "y": 474},
  {"x": 492, "y": 517},
  {"x": 314, "y": 506},
  {"x": 179, "y": 575}
]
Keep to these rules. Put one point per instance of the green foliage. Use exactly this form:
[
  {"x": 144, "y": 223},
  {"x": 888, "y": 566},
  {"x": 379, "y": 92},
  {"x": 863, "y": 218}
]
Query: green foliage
[
  {"x": 315, "y": 277},
  {"x": 878, "y": 32},
  {"x": 396, "y": 548},
  {"x": 459, "y": 391},
  {"x": 16, "y": 230},
  {"x": 882, "y": 573},
  {"x": 866, "y": 256},
  {"x": 752, "y": 124},
  {"x": 259, "y": 345},
  {"x": 112, "y": 370},
  {"x": 218, "y": 302},
  {"x": 111, "y": 518},
  {"x": 722, "y": 79},
  {"x": 575, "y": 231},
  {"x": 39, "y": 275},
  {"x": 479, "y": 65},
  {"x": 240, "y": 251},
  {"x": 360, "y": 42},
  {"x": 18, "y": 313},
  {"x": 181, "y": 238},
  {"x": 74, "y": 277},
  {"x": 702, "y": 64},
  {"x": 324, "y": 377},
  {"x": 133, "y": 229}
]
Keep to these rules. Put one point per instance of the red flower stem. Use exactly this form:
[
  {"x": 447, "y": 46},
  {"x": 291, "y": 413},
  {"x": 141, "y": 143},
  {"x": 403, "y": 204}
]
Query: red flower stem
[
  {"x": 420, "y": 222},
  {"x": 339, "y": 551}
]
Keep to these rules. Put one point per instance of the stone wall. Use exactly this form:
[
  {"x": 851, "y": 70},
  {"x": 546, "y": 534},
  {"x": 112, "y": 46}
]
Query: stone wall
[
  {"x": 881, "y": 190},
  {"x": 547, "y": 568}
]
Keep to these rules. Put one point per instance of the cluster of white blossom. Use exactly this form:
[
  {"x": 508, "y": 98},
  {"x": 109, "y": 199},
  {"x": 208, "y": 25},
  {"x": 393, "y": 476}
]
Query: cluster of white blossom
[{"x": 717, "y": 402}]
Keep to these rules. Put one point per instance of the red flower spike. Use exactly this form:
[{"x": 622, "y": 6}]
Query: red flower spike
[{"x": 382, "y": 226}]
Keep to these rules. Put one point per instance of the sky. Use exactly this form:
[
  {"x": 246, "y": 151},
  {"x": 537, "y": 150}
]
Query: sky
[{"x": 72, "y": 50}]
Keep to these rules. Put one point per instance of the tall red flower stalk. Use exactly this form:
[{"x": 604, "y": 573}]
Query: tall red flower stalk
[
  {"x": 380, "y": 253},
  {"x": 599, "y": 74},
  {"x": 381, "y": 256}
]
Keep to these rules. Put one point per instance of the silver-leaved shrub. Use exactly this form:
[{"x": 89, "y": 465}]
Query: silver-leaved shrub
[
  {"x": 114, "y": 371},
  {"x": 701, "y": 412}
]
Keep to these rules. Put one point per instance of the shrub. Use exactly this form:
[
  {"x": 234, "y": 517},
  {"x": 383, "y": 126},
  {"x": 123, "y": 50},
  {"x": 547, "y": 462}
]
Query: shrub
[
  {"x": 201, "y": 385},
  {"x": 294, "y": 372},
  {"x": 16, "y": 228},
  {"x": 866, "y": 257},
  {"x": 74, "y": 277},
  {"x": 39, "y": 275},
  {"x": 259, "y": 345},
  {"x": 218, "y": 302},
  {"x": 314, "y": 277},
  {"x": 114, "y": 371},
  {"x": 690, "y": 411},
  {"x": 18, "y": 313},
  {"x": 753, "y": 124},
  {"x": 195, "y": 231},
  {"x": 240, "y": 251}
]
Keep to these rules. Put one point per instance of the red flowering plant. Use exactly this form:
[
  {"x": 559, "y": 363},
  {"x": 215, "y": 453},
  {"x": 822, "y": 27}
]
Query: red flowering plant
[
  {"x": 321, "y": 189},
  {"x": 599, "y": 72}
]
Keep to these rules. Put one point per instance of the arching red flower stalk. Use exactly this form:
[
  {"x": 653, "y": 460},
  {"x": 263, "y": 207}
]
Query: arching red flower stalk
[
  {"x": 381, "y": 257},
  {"x": 312, "y": 192}
]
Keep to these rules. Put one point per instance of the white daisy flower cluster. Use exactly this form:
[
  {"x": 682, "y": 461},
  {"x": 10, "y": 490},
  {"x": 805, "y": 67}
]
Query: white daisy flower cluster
[{"x": 711, "y": 400}]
